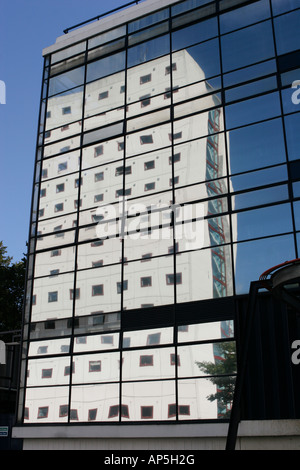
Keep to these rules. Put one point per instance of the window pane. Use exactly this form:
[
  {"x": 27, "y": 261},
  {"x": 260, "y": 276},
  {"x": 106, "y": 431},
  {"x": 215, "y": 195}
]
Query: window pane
[
  {"x": 281, "y": 6},
  {"x": 256, "y": 146},
  {"x": 287, "y": 32},
  {"x": 151, "y": 337},
  {"x": 260, "y": 197},
  {"x": 196, "y": 33},
  {"x": 148, "y": 20},
  {"x": 94, "y": 402},
  {"x": 106, "y": 66},
  {"x": 203, "y": 58},
  {"x": 95, "y": 368},
  {"x": 252, "y": 110},
  {"x": 44, "y": 404},
  {"x": 206, "y": 331},
  {"x": 146, "y": 364},
  {"x": 144, "y": 280},
  {"x": 104, "y": 94},
  {"x": 148, "y": 400},
  {"x": 262, "y": 222},
  {"x": 247, "y": 46},
  {"x": 244, "y": 16},
  {"x": 66, "y": 81},
  {"x": 148, "y": 50},
  {"x": 254, "y": 258},
  {"x": 205, "y": 392},
  {"x": 195, "y": 359},
  {"x": 206, "y": 274},
  {"x": 98, "y": 292}
]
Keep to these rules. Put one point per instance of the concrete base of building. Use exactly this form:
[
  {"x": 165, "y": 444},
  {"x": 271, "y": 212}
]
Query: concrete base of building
[{"x": 252, "y": 435}]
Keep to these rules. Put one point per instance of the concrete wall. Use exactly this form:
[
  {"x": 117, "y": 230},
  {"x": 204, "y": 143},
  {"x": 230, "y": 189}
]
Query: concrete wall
[{"x": 253, "y": 435}]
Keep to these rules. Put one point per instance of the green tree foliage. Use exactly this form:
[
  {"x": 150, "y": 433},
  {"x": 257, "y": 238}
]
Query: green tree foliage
[
  {"x": 12, "y": 279},
  {"x": 219, "y": 373}
]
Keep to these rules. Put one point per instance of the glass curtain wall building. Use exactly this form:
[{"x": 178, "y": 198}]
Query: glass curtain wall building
[{"x": 167, "y": 178}]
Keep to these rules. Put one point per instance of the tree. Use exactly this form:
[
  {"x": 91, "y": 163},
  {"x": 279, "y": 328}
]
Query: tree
[
  {"x": 221, "y": 374},
  {"x": 12, "y": 280}
]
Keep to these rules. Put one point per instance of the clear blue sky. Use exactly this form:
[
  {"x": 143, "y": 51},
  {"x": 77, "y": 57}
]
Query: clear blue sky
[{"x": 26, "y": 27}]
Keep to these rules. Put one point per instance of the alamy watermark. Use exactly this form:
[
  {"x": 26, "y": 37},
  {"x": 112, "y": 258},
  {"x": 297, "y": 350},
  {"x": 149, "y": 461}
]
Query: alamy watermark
[
  {"x": 296, "y": 93},
  {"x": 137, "y": 221},
  {"x": 296, "y": 354},
  {"x": 2, "y": 92}
]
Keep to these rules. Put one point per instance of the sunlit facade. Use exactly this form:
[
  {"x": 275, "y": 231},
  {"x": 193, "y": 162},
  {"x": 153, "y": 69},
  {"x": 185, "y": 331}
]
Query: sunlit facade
[{"x": 165, "y": 183}]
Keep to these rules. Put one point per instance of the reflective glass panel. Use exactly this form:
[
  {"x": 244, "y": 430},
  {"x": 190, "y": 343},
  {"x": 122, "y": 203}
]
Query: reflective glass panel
[
  {"x": 259, "y": 178},
  {"x": 203, "y": 59},
  {"x": 256, "y": 146},
  {"x": 205, "y": 274},
  {"x": 98, "y": 291},
  {"x": 146, "y": 80},
  {"x": 252, "y": 110},
  {"x": 47, "y": 404},
  {"x": 281, "y": 6},
  {"x": 102, "y": 152},
  {"x": 153, "y": 337},
  {"x": 48, "y": 264},
  {"x": 95, "y": 368},
  {"x": 247, "y": 46},
  {"x": 244, "y": 16},
  {"x": 66, "y": 80},
  {"x": 194, "y": 360},
  {"x": 205, "y": 331},
  {"x": 52, "y": 297},
  {"x": 200, "y": 398},
  {"x": 148, "y": 20},
  {"x": 196, "y": 33},
  {"x": 96, "y": 342},
  {"x": 145, "y": 364},
  {"x": 263, "y": 222},
  {"x": 96, "y": 403},
  {"x": 148, "y": 50},
  {"x": 254, "y": 258},
  {"x": 55, "y": 346},
  {"x": 259, "y": 197},
  {"x": 104, "y": 94},
  {"x": 147, "y": 283},
  {"x": 287, "y": 32},
  {"x": 48, "y": 371},
  {"x": 148, "y": 400},
  {"x": 105, "y": 66},
  {"x": 63, "y": 109}
]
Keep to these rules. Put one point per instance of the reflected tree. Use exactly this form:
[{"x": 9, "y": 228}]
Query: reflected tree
[{"x": 220, "y": 373}]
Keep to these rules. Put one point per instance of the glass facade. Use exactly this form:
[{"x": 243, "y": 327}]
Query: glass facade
[{"x": 166, "y": 180}]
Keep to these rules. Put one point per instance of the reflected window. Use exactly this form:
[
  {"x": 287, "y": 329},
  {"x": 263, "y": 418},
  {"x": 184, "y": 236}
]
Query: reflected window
[
  {"x": 146, "y": 361},
  {"x": 43, "y": 412},
  {"x": 171, "y": 279},
  {"x": 146, "y": 281},
  {"x": 52, "y": 296},
  {"x": 97, "y": 290},
  {"x": 153, "y": 338},
  {"x": 147, "y": 412}
]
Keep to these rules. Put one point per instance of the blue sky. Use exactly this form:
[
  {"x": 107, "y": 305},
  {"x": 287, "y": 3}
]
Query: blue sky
[{"x": 26, "y": 27}]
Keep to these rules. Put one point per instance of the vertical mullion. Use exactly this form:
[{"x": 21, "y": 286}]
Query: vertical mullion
[
  {"x": 173, "y": 217},
  {"x": 76, "y": 236},
  {"x": 123, "y": 225}
]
